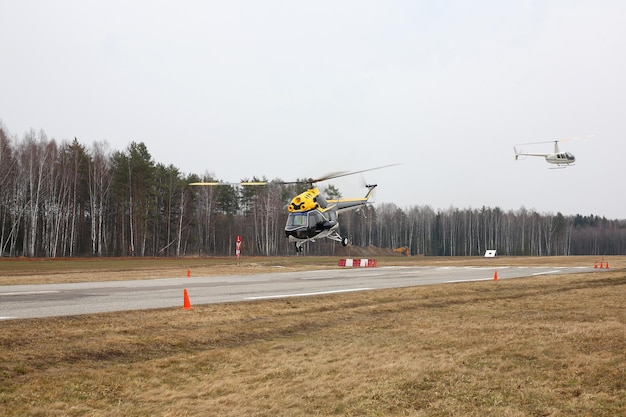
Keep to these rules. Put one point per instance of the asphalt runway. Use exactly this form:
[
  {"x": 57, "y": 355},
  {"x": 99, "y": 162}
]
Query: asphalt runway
[{"x": 49, "y": 300}]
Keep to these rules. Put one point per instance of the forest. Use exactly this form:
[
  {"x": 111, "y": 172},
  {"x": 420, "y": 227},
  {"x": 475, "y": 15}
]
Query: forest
[{"x": 66, "y": 199}]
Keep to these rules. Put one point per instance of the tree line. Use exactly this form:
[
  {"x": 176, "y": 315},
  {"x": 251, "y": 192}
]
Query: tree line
[{"x": 64, "y": 199}]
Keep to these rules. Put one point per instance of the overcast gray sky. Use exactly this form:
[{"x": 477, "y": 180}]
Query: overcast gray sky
[{"x": 292, "y": 89}]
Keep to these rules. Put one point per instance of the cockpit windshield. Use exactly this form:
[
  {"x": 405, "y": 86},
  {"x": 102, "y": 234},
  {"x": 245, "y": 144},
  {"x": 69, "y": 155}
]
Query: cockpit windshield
[{"x": 297, "y": 220}]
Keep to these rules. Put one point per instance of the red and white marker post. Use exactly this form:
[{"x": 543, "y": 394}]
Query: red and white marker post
[{"x": 238, "y": 249}]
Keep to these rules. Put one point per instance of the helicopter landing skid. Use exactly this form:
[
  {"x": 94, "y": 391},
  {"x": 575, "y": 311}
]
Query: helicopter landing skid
[
  {"x": 299, "y": 247},
  {"x": 334, "y": 236},
  {"x": 338, "y": 238},
  {"x": 561, "y": 166}
]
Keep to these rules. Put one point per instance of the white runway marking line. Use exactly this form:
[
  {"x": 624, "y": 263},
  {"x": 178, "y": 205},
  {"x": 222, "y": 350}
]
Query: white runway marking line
[
  {"x": 2, "y": 294},
  {"x": 486, "y": 268},
  {"x": 468, "y": 280},
  {"x": 331, "y": 277},
  {"x": 7, "y": 318},
  {"x": 547, "y": 272},
  {"x": 306, "y": 294}
]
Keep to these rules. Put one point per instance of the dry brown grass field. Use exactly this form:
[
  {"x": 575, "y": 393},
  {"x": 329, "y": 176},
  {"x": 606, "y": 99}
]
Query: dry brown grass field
[{"x": 543, "y": 346}]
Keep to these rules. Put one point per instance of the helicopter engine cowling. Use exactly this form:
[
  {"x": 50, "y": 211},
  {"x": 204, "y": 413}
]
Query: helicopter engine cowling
[{"x": 309, "y": 200}]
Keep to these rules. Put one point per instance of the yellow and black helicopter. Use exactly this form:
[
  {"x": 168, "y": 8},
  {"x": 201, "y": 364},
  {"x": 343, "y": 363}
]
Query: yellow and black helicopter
[{"x": 311, "y": 215}]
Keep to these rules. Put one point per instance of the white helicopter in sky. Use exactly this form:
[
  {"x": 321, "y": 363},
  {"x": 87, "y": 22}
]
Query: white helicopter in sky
[{"x": 558, "y": 158}]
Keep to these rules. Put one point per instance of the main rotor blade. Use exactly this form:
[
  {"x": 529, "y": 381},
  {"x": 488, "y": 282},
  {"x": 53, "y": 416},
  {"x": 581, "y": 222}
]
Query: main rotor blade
[
  {"x": 311, "y": 181},
  {"x": 557, "y": 140},
  {"x": 333, "y": 175},
  {"x": 577, "y": 138},
  {"x": 207, "y": 183},
  {"x": 243, "y": 183},
  {"x": 248, "y": 183}
]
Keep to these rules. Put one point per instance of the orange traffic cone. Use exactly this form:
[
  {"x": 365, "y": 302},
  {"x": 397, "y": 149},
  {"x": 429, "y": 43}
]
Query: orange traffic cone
[
  {"x": 495, "y": 276},
  {"x": 607, "y": 264},
  {"x": 188, "y": 272},
  {"x": 595, "y": 265},
  {"x": 186, "y": 303}
]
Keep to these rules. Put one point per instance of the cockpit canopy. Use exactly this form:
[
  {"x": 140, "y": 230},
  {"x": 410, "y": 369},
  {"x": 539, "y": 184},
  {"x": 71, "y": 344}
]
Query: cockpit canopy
[
  {"x": 296, "y": 220},
  {"x": 565, "y": 155},
  {"x": 308, "y": 219},
  {"x": 308, "y": 224}
]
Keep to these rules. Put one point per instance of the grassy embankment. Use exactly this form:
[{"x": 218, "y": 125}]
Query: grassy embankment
[{"x": 551, "y": 345}]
